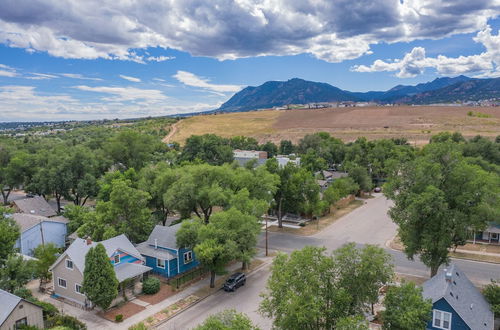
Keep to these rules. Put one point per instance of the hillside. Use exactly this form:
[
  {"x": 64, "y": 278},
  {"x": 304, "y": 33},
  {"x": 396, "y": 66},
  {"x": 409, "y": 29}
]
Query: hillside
[
  {"x": 278, "y": 93},
  {"x": 469, "y": 90},
  {"x": 417, "y": 123}
]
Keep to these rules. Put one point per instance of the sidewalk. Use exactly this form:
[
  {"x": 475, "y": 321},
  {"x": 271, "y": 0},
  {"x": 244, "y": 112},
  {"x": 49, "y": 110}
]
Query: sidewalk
[{"x": 94, "y": 321}]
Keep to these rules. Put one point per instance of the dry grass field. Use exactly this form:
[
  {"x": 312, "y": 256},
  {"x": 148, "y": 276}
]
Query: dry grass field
[{"x": 417, "y": 123}]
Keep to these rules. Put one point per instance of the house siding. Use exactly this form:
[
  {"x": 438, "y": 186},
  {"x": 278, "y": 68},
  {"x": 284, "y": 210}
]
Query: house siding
[
  {"x": 457, "y": 323},
  {"x": 124, "y": 258},
  {"x": 32, "y": 313},
  {"x": 72, "y": 277},
  {"x": 172, "y": 266},
  {"x": 53, "y": 232},
  {"x": 184, "y": 267},
  {"x": 151, "y": 262}
]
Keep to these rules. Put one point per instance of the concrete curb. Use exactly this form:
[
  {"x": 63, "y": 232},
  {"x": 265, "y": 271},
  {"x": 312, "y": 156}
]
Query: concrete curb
[{"x": 201, "y": 299}]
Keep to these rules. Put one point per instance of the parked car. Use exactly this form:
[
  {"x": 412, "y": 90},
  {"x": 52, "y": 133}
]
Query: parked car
[
  {"x": 235, "y": 281},
  {"x": 377, "y": 189}
]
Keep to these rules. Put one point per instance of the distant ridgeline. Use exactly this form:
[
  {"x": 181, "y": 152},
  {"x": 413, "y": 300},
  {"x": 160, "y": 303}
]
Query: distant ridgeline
[{"x": 298, "y": 91}]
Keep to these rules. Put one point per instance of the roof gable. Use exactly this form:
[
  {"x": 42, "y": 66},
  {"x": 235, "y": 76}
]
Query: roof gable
[
  {"x": 36, "y": 205},
  {"x": 164, "y": 236},
  {"x": 9, "y": 303},
  {"x": 454, "y": 286}
]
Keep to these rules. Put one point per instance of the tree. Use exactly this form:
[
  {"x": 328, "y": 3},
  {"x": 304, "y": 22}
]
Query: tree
[
  {"x": 15, "y": 273},
  {"x": 286, "y": 147},
  {"x": 303, "y": 292},
  {"x": 46, "y": 255},
  {"x": 492, "y": 294},
  {"x": 405, "y": 308},
  {"x": 208, "y": 148},
  {"x": 12, "y": 172},
  {"x": 361, "y": 177},
  {"x": 214, "y": 252},
  {"x": 362, "y": 272},
  {"x": 270, "y": 148},
  {"x": 131, "y": 149},
  {"x": 357, "y": 322},
  {"x": 99, "y": 279},
  {"x": 439, "y": 197},
  {"x": 9, "y": 233},
  {"x": 228, "y": 319},
  {"x": 313, "y": 162}
]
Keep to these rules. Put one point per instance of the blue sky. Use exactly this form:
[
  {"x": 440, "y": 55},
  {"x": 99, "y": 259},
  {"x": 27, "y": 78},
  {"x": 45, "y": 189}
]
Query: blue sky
[{"x": 69, "y": 59}]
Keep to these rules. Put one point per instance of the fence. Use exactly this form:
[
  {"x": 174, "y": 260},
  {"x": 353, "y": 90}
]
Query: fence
[{"x": 187, "y": 277}]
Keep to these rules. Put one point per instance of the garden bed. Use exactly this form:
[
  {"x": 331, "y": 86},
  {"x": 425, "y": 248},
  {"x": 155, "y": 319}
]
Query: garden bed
[
  {"x": 165, "y": 292},
  {"x": 127, "y": 310}
]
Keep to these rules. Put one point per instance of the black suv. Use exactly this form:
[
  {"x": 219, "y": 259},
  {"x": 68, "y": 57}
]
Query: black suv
[{"x": 235, "y": 281}]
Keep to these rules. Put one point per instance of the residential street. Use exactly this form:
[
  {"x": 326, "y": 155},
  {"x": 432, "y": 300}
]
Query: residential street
[{"x": 368, "y": 224}]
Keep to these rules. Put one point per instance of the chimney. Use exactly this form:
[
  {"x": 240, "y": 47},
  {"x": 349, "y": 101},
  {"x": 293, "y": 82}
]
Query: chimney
[
  {"x": 156, "y": 243},
  {"x": 88, "y": 240},
  {"x": 448, "y": 276}
]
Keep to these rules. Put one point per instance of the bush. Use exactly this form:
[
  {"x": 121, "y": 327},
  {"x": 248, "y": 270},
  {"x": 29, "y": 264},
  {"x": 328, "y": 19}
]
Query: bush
[
  {"x": 65, "y": 321},
  {"x": 138, "y": 326},
  {"x": 119, "y": 318},
  {"x": 48, "y": 309},
  {"x": 23, "y": 293},
  {"x": 151, "y": 285}
]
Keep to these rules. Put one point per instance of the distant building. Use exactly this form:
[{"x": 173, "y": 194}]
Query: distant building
[
  {"x": 244, "y": 156},
  {"x": 490, "y": 235},
  {"x": 16, "y": 312},
  {"x": 36, "y": 230},
  {"x": 456, "y": 303},
  {"x": 34, "y": 205},
  {"x": 283, "y": 160}
]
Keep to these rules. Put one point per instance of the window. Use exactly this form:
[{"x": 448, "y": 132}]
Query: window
[
  {"x": 61, "y": 282},
  {"x": 20, "y": 323},
  {"x": 117, "y": 259},
  {"x": 160, "y": 263},
  {"x": 69, "y": 264},
  {"x": 441, "y": 320},
  {"x": 188, "y": 257},
  {"x": 78, "y": 289}
]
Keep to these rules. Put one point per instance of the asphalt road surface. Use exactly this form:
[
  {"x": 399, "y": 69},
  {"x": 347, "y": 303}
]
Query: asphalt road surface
[{"x": 368, "y": 224}]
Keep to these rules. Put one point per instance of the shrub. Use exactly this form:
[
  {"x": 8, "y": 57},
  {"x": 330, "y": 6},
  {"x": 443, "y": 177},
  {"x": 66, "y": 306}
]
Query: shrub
[
  {"x": 48, "y": 309},
  {"x": 119, "y": 318},
  {"x": 23, "y": 293},
  {"x": 66, "y": 321},
  {"x": 138, "y": 326},
  {"x": 151, "y": 285}
]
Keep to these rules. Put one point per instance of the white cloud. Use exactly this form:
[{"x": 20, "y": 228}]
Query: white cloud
[
  {"x": 159, "y": 58},
  {"x": 329, "y": 30},
  {"x": 25, "y": 103},
  {"x": 79, "y": 76},
  {"x": 133, "y": 79},
  {"x": 7, "y": 71},
  {"x": 124, "y": 94},
  {"x": 40, "y": 76},
  {"x": 486, "y": 64},
  {"x": 190, "y": 79}
]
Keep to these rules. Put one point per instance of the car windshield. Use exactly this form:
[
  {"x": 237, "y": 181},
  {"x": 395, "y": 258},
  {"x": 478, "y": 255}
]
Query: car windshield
[{"x": 230, "y": 280}]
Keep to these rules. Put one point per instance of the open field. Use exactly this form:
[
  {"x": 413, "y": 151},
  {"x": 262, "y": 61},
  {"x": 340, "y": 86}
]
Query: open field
[{"x": 417, "y": 124}]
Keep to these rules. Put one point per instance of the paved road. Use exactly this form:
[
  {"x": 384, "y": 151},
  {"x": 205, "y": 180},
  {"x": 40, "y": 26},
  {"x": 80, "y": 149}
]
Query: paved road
[{"x": 368, "y": 224}]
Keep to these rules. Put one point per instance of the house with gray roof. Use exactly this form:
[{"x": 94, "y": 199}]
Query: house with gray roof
[
  {"x": 456, "y": 303},
  {"x": 36, "y": 230},
  {"x": 34, "y": 205},
  {"x": 67, "y": 271},
  {"x": 16, "y": 312},
  {"x": 163, "y": 255}
]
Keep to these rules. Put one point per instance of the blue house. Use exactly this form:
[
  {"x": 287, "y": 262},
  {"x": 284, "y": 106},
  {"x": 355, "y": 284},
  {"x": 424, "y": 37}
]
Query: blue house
[
  {"x": 456, "y": 303},
  {"x": 163, "y": 255},
  {"x": 37, "y": 230}
]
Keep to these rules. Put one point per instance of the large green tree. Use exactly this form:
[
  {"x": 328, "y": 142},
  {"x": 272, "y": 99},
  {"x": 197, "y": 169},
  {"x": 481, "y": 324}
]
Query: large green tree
[
  {"x": 131, "y": 149},
  {"x": 439, "y": 198},
  {"x": 492, "y": 294},
  {"x": 208, "y": 148},
  {"x": 15, "y": 273},
  {"x": 303, "y": 292},
  {"x": 46, "y": 255},
  {"x": 405, "y": 308},
  {"x": 228, "y": 319},
  {"x": 99, "y": 279},
  {"x": 9, "y": 233}
]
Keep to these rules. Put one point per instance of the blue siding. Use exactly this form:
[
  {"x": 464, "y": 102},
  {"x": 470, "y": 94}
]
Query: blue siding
[
  {"x": 53, "y": 232},
  {"x": 172, "y": 266},
  {"x": 151, "y": 262},
  {"x": 456, "y": 321},
  {"x": 189, "y": 265},
  {"x": 124, "y": 258}
]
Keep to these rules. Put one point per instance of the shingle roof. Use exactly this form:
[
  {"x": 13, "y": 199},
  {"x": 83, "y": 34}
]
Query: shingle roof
[
  {"x": 79, "y": 248},
  {"x": 130, "y": 270},
  {"x": 462, "y": 296},
  {"x": 27, "y": 221},
  {"x": 164, "y": 235},
  {"x": 8, "y": 302},
  {"x": 36, "y": 205},
  {"x": 149, "y": 250}
]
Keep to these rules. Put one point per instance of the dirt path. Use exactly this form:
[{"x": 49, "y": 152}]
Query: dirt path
[{"x": 173, "y": 130}]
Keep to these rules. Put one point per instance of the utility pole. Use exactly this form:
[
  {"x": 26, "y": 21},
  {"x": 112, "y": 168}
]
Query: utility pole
[{"x": 267, "y": 252}]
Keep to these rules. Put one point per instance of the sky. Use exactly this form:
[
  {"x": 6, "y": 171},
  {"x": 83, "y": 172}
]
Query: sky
[{"x": 97, "y": 59}]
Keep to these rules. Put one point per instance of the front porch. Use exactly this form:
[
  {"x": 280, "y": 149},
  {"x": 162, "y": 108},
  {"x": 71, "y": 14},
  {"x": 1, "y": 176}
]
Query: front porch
[{"x": 490, "y": 236}]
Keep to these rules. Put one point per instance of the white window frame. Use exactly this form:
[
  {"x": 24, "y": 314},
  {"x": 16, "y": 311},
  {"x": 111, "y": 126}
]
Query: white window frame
[
  {"x": 158, "y": 265},
  {"x": 190, "y": 254},
  {"x": 81, "y": 288},
  {"x": 119, "y": 259},
  {"x": 59, "y": 283},
  {"x": 441, "y": 319},
  {"x": 72, "y": 265}
]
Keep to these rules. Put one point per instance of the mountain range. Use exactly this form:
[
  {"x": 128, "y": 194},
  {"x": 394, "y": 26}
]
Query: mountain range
[{"x": 299, "y": 91}]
